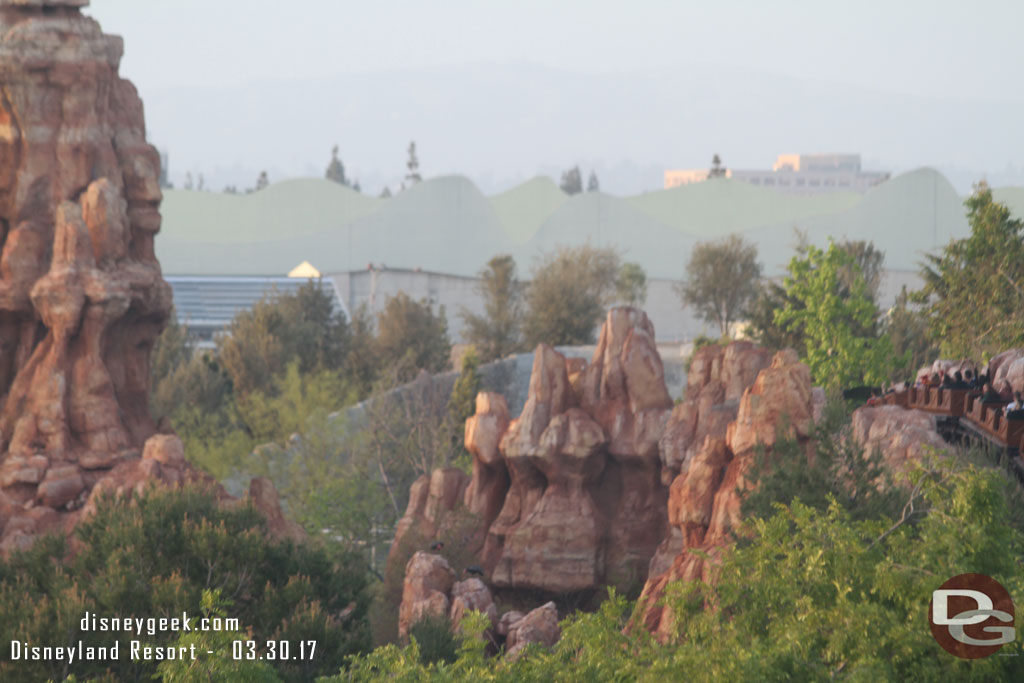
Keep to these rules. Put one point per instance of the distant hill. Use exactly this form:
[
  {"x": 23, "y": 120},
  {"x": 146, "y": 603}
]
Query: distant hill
[
  {"x": 447, "y": 225},
  {"x": 707, "y": 210}
]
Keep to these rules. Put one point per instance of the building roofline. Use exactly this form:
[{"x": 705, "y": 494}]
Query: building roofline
[{"x": 235, "y": 278}]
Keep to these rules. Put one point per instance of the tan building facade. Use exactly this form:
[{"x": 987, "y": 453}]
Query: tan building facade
[{"x": 796, "y": 174}]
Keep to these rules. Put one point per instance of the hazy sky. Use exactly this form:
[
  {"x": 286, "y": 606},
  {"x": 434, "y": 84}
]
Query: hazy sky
[{"x": 952, "y": 49}]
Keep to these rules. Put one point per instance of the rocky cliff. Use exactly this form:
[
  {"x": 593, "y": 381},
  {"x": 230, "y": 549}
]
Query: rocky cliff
[
  {"x": 567, "y": 496},
  {"x": 82, "y": 299},
  {"x": 601, "y": 480}
]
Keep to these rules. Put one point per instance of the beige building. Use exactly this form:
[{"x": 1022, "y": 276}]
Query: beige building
[
  {"x": 688, "y": 177},
  {"x": 796, "y": 174}
]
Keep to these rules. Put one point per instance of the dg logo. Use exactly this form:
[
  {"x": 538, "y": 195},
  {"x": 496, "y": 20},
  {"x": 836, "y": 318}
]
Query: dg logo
[{"x": 971, "y": 616}]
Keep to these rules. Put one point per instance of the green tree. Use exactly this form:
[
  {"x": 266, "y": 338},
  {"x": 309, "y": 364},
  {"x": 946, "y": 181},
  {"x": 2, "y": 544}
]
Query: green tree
[
  {"x": 261, "y": 341},
  {"x": 336, "y": 170},
  {"x": 807, "y": 594},
  {"x": 772, "y": 296},
  {"x": 631, "y": 285},
  {"x": 261, "y": 183},
  {"x": 462, "y": 406},
  {"x": 840, "y": 471},
  {"x": 907, "y": 327},
  {"x": 593, "y": 185},
  {"x": 836, "y": 347},
  {"x": 717, "y": 170},
  {"x": 221, "y": 664},
  {"x": 567, "y": 296},
  {"x": 408, "y": 329},
  {"x": 224, "y": 403},
  {"x": 572, "y": 181},
  {"x": 721, "y": 279},
  {"x": 171, "y": 351},
  {"x": 868, "y": 262},
  {"x": 973, "y": 294},
  {"x": 497, "y": 333},
  {"x": 412, "y": 166},
  {"x": 155, "y": 556},
  {"x": 362, "y": 364}
]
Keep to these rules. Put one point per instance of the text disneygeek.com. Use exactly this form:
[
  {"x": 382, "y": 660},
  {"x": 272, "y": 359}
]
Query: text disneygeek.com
[{"x": 141, "y": 650}]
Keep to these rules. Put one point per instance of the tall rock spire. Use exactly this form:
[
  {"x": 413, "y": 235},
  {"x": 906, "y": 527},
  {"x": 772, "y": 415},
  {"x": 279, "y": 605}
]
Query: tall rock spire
[{"x": 82, "y": 299}]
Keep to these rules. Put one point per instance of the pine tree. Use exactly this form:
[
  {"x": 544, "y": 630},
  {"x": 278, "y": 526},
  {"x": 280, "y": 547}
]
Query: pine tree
[
  {"x": 413, "y": 166},
  {"x": 336, "y": 169},
  {"x": 497, "y": 333},
  {"x": 717, "y": 170},
  {"x": 263, "y": 181},
  {"x": 572, "y": 182},
  {"x": 592, "y": 184}
]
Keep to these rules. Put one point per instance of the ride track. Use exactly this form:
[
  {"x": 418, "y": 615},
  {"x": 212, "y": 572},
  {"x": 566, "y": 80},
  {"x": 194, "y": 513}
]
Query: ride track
[{"x": 962, "y": 415}]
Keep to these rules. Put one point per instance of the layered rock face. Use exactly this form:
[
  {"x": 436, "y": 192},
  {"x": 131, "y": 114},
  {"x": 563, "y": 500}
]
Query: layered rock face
[
  {"x": 716, "y": 381},
  {"x": 1006, "y": 372},
  {"x": 81, "y": 296},
  {"x": 568, "y": 495},
  {"x": 82, "y": 299},
  {"x": 705, "y": 497},
  {"x": 574, "y": 494},
  {"x": 431, "y": 589},
  {"x": 600, "y": 475},
  {"x": 900, "y": 435},
  {"x": 425, "y": 591}
]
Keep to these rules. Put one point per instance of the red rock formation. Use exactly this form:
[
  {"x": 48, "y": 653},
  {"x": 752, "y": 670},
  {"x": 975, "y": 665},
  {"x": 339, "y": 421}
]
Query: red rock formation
[
  {"x": 900, "y": 435},
  {"x": 624, "y": 390},
  {"x": 263, "y": 495},
  {"x": 704, "y": 499},
  {"x": 717, "y": 378},
  {"x": 538, "y": 626},
  {"x": 472, "y": 594},
  {"x": 490, "y": 480},
  {"x": 82, "y": 299},
  {"x": 559, "y": 546},
  {"x": 431, "y": 498},
  {"x": 549, "y": 394},
  {"x": 1006, "y": 372},
  {"x": 1014, "y": 376},
  {"x": 568, "y": 494},
  {"x": 584, "y": 501},
  {"x": 428, "y": 582},
  {"x": 780, "y": 399},
  {"x": 574, "y": 493},
  {"x": 79, "y": 182}
]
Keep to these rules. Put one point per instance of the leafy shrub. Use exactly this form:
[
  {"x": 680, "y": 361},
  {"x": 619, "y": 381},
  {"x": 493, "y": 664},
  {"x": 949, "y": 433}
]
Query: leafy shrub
[
  {"x": 433, "y": 635},
  {"x": 155, "y": 557}
]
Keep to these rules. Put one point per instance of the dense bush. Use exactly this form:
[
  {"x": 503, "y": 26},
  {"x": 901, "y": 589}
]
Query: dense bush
[
  {"x": 155, "y": 557},
  {"x": 811, "y": 595}
]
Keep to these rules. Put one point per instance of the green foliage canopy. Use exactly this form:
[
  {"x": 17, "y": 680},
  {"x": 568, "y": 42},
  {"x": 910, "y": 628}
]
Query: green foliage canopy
[
  {"x": 810, "y": 594},
  {"x": 567, "y": 296},
  {"x": 721, "y": 279},
  {"x": 974, "y": 289},
  {"x": 835, "y": 320},
  {"x": 497, "y": 333},
  {"x": 631, "y": 285},
  {"x": 408, "y": 330},
  {"x": 156, "y": 556}
]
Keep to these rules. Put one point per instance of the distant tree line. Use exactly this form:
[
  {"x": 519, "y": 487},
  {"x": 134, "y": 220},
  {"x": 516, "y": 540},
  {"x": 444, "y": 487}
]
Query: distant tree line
[
  {"x": 827, "y": 307},
  {"x": 563, "y": 303}
]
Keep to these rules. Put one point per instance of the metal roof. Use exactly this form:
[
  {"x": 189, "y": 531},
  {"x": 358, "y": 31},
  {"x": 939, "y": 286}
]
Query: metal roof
[{"x": 209, "y": 303}]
